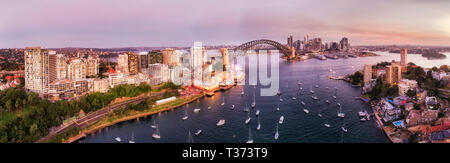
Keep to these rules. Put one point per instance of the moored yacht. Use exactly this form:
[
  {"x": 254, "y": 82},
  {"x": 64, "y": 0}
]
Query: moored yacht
[
  {"x": 118, "y": 139},
  {"x": 221, "y": 122},
  {"x": 281, "y": 120},
  {"x": 306, "y": 111}
]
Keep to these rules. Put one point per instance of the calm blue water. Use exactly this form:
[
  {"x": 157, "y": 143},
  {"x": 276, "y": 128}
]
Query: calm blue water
[{"x": 297, "y": 126}]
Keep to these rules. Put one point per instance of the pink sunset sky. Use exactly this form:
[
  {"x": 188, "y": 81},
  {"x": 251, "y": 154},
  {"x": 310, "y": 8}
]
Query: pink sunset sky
[{"x": 119, "y": 23}]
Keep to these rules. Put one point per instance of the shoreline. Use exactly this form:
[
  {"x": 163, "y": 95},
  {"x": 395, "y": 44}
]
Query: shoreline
[{"x": 85, "y": 132}]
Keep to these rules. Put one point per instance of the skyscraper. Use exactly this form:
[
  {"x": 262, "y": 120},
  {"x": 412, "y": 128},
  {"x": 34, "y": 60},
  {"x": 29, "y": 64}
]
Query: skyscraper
[
  {"x": 403, "y": 57},
  {"x": 76, "y": 69},
  {"x": 36, "y": 69},
  {"x": 344, "y": 45},
  {"x": 290, "y": 41}
]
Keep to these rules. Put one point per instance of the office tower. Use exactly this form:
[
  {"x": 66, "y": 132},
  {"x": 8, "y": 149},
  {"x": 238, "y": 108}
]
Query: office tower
[
  {"x": 290, "y": 41},
  {"x": 133, "y": 63},
  {"x": 344, "y": 45},
  {"x": 403, "y": 57},
  {"x": 393, "y": 74},
  {"x": 92, "y": 66},
  {"x": 367, "y": 74},
  {"x": 171, "y": 57},
  {"x": 143, "y": 61},
  {"x": 36, "y": 69},
  {"x": 122, "y": 63}
]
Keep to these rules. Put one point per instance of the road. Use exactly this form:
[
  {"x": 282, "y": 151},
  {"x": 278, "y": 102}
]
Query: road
[{"x": 97, "y": 115}]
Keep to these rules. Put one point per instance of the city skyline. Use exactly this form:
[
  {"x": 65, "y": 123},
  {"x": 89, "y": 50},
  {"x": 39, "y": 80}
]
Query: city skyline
[{"x": 108, "y": 24}]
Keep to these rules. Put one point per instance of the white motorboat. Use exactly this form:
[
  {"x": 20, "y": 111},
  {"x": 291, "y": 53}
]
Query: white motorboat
[
  {"x": 327, "y": 125},
  {"x": 320, "y": 115},
  {"x": 314, "y": 97},
  {"x": 311, "y": 91},
  {"x": 306, "y": 111},
  {"x": 281, "y": 120},
  {"x": 338, "y": 104},
  {"x": 328, "y": 102},
  {"x": 303, "y": 103},
  {"x": 232, "y": 106},
  {"x": 209, "y": 107},
  {"x": 154, "y": 124},
  {"x": 257, "y": 112},
  {"x": 344, "y": 129},
  {"x": 198, "y": 132},
  {"x": 118, "y": 139},
  {"x": 221, "y": 122},
  {"x": 334, "y": 97},
  {"x": 196, "y": 110}
]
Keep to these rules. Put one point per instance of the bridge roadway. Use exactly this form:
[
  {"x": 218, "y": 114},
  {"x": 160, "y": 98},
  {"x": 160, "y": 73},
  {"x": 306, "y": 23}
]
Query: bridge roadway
[{"x": 97, "y": 115}]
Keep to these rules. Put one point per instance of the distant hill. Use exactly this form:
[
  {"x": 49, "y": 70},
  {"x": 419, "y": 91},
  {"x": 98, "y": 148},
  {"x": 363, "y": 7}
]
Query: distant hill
[{"x": 433, "y": 55}]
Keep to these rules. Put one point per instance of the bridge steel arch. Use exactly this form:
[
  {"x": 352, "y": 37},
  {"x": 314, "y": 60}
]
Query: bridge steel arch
[{"x": 283, "y": 49}]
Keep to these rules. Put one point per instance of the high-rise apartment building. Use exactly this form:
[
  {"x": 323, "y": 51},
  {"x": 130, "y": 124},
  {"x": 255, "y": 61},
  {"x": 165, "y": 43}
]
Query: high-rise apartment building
[
  {"x": 76, "y": 69},
  {"x": 143, "y": 61},
  {"x": 155, "y": 56},
  {"x": 92, "y": 66},
  {"x": 36, "y": 69},
  {"x": 133, "y": 63},
  {"x": 290, "y": 41},
  {"x": 367, "y": 74},
  {"x": 171, "y": 57},
  {"x": 393, "y": 74},
  {"x": 403, "y": 57},
  {"x": 344, "y": 45},
  {"x": 122, "y": 63}
]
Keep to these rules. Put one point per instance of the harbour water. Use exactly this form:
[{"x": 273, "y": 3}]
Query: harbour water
[{"x": 298, "y": 127}]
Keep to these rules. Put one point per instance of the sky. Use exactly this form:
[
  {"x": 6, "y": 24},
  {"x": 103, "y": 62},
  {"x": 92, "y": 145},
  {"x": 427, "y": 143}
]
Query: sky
[{"x": 133, "y": 23}]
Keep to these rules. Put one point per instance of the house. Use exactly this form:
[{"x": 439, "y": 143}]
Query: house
[{"x": 429, "y": 115}]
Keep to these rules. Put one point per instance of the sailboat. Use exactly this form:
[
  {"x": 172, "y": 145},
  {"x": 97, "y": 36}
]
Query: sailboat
[
  {"x": 334, "y": 96},
  {"x": 257, "y": 112},
  {"x": 278, "y": 108},
  {"x": 132, "y": 138},
  {"x": 185, "y": 115},
  {"x": 190, "y": 138},
  {"x": 281, "y": 99},
  {"x": 248, "y": 119},
  {"x": 259, "y": 125},
  {"x": 156, "y": 135},
  {"x": 250, "y": 138},
  {"x": 254, "y": 101},
  {"x": 276, "y": 133},
  {"x": 223, "y": 101},
  {"x": 281, "y": 120},
  {"x": 311, "y": 91},
  {"x": 328, "y": 102},
  {"x": 154, "y": 124},
  {"x": 340, "y": 114},
  {"x": 293, "y": 97},
  {"x": 246, "y": 109},
  {"x": 242, "y": 93},
  {"x": 118, "y": 139},
  {"x": 320, "y": 115}
]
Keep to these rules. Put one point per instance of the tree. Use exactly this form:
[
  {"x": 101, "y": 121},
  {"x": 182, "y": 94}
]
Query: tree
[
  {"x": 411, "y": 93},
  {"x": 434, "y": 69}
]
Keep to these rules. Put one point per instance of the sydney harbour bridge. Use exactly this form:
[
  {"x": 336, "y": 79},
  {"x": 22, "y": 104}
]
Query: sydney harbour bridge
[{"x": 289, "y": 52}]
